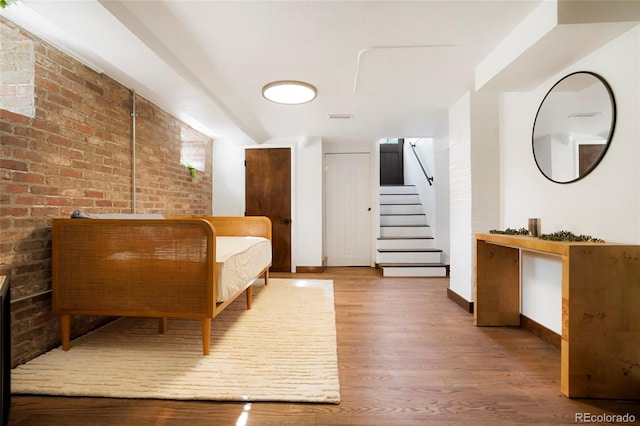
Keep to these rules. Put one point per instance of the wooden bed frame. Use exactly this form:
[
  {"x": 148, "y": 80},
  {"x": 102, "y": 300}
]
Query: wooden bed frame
[{"x": 144, "y": 267}]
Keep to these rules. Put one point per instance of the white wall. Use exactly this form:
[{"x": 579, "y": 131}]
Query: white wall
[
  {"x": 434, "y": 154},
  {"x": 442, "y": 230},
  {"x": 485, "y": 161},
  {"x": 306, "y": 192},
  {"x": 413, "y": 174},
  {"x": 228, "y": 178},
  {"x": 541, "y": 292},
  {"x": 604, "y": 204},
  {"x": 309, "y": 203}
]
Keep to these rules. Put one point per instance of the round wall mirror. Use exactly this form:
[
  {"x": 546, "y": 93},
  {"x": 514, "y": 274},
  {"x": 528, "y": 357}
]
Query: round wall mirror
[{"x": 573, "y": 127}]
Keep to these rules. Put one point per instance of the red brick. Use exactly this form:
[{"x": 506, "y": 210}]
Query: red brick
[
  {"x": 48, "y": 85},
  {"x": 28, "y": 200},
  {"x": 71, "y": 173},
  {"x": 104, "y": 203},
  {"x": 94, "y": 87},
  {"x": 9, "y": 140},
  {"x": 47, "y": 127},
  {"x": 45, "y": 211},
  {"x": 93, "y": 194},
  {"x": 12, "y": 211},
  {"x": 58, "y": 201},
  {"x": 28, "y": 154},
  {"x": 13, "y": 188},
  {"x": 44, "y": 190},
  {"x": 29, "y": 178},
  {"x": 59, "y": 100},
  {"x": 82, "y": 128},
  {"x": 74, "y": 97},
  {"x": 59, "y": 140},
  {"x": 13, "y": 165},
  {"x": 16, "y": 118}
]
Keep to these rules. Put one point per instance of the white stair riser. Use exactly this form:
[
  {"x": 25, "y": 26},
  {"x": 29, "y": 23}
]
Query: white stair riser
[
  {"x": 399, "y": 199},
  {"x": 409, "y": 231},
  {"x": 401, "y": 209},
  {"x": 407, "y": 243},
  {"x": 415, "y": 219},
  {"x": 409, "y": 257},
  {"x": 408, "y": 189},
  {"x": 417, "y": 271}
]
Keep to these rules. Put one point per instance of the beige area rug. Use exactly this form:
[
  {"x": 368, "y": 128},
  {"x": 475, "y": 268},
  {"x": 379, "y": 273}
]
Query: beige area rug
[{"x": 283, "y": 349}]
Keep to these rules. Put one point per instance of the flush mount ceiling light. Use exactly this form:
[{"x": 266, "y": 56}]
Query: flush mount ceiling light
[{"x": 289, "y": 92}]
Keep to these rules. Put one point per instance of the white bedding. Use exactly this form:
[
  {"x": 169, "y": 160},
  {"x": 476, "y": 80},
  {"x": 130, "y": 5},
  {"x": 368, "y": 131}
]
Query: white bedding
[{"x": 239, "y": 259}]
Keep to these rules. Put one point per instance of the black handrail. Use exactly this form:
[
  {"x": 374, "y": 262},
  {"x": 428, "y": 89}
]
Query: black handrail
[{"x": 429, "y": 178}]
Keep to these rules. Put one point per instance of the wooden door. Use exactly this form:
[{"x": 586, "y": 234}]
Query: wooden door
[
  {"x": 392, "y": 163},
  {"x": 268, "y": 193},
  {"x": 348, "y": 209},
  {"x": 588, "y": 157}
]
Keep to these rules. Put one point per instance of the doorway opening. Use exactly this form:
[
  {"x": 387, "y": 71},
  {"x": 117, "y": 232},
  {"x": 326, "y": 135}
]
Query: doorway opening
[{"x": 392, "y": 161}]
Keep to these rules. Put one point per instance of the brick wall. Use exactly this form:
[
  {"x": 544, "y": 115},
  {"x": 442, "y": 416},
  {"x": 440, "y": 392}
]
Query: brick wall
[
  {"x": 76, "y": 153},
  {"x": 461, "y": 199},
  {"x": 474, "y": 173}
]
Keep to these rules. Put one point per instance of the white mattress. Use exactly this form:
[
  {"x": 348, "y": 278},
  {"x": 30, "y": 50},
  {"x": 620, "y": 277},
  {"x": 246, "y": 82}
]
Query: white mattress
[{"x": 240, "y": 260}]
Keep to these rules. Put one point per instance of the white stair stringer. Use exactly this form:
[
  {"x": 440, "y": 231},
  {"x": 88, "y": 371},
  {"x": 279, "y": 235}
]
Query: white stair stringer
[{"x": 406, "y": 245}]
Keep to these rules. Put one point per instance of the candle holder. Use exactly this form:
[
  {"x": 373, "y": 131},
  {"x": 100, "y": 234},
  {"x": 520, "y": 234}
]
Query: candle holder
[{"x": 534, "y": 226}]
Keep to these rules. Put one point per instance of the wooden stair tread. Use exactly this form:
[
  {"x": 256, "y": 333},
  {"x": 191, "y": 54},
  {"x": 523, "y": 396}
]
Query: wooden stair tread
[
  {"x": 404, "y": 265},
  {"x": 409, "y": 237},
  {"x": 411, "y": 250},
  {"x": 405, "y": 226}
]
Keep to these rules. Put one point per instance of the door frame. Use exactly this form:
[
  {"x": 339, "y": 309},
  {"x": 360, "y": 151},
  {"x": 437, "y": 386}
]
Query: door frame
[
  {"x": 397, "y": 166},
  {"x": 374, "y": 194}
]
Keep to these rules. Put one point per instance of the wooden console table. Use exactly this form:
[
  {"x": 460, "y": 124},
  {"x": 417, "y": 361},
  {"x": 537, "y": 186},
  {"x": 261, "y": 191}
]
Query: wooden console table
[{"x": 600, "y": 346}]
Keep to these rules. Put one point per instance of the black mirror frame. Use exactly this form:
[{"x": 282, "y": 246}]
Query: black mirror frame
[{"x": 609, "y": 136}]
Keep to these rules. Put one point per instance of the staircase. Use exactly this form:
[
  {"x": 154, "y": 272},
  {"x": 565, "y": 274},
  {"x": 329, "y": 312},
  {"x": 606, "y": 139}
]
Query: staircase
[{"x": 406, "y": 245}]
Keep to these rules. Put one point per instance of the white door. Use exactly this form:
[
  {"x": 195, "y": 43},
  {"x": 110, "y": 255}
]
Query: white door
[{"x": 348, "y": 209}]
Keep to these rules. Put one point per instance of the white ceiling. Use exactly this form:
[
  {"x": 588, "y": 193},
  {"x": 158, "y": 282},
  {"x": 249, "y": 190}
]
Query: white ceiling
[{"x": 395, "y": 66}]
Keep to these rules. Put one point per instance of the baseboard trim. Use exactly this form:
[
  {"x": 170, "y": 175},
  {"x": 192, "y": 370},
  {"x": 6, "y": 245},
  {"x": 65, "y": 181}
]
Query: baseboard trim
[
  {"x": 540, "y": 331},
  {"x": 309, "y": 269},
  {"x": 460, "y": 301}
]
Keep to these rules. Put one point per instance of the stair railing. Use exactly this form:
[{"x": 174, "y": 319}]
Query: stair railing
[{"x": 429, "y": 178}]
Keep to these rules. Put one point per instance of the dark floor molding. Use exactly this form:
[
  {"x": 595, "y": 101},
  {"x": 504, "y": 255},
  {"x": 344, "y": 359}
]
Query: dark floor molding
[
  {"x": 541, "y": 331},
  {"x": 461, "y": 301},
  {"x": 309, "y": 269}
]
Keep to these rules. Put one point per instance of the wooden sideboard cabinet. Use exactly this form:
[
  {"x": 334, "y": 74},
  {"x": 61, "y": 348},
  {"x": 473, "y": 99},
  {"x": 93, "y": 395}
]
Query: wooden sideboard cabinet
[{"x": 600, "y": 342}]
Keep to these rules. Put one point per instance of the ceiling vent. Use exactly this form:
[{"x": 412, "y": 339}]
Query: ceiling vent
[{"x": 340, "y": 116}]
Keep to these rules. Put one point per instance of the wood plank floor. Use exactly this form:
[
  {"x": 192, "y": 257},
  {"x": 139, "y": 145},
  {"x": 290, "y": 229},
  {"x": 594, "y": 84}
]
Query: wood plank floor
[{"x": 407, "y": 356}]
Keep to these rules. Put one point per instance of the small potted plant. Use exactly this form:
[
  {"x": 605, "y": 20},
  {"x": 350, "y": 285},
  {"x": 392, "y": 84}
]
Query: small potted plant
[{"x": 192, "y": 170}]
